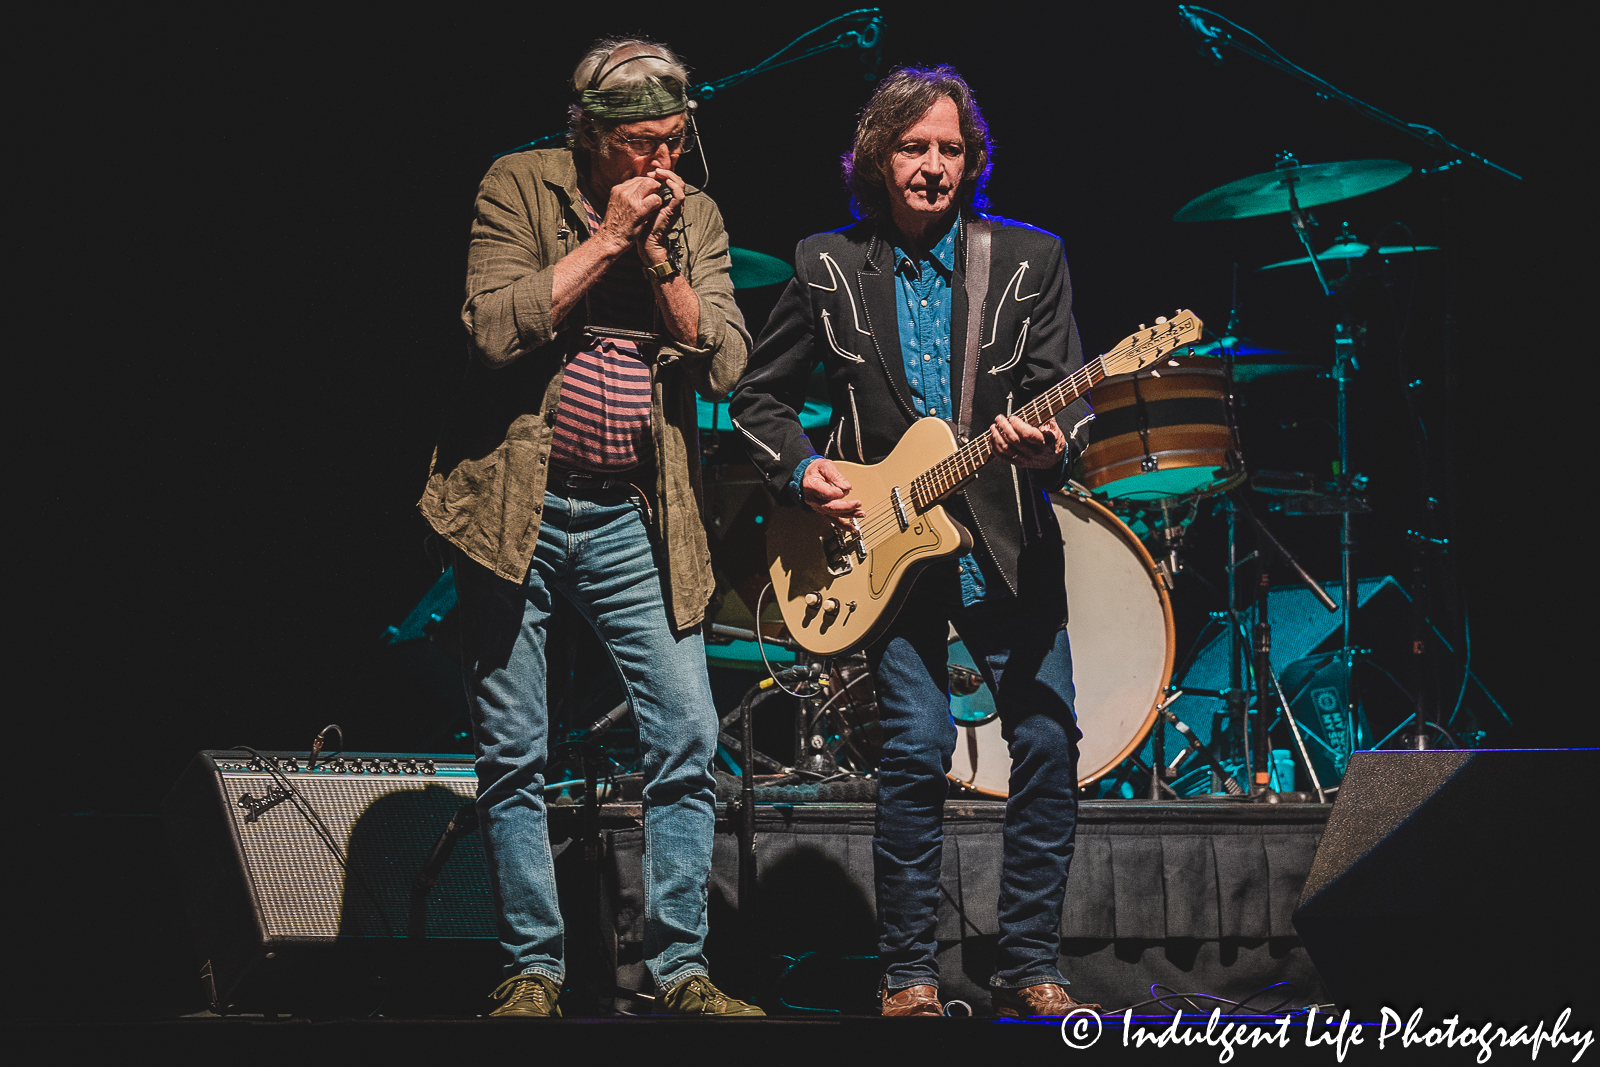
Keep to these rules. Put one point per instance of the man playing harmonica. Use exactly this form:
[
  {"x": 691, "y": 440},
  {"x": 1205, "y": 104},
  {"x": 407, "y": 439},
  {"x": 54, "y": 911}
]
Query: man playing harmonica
[{"x": 598, "y": 303}]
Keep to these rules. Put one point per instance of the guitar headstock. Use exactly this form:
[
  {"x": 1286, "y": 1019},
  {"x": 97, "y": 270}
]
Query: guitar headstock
[{"x": 1153, "y": 343}]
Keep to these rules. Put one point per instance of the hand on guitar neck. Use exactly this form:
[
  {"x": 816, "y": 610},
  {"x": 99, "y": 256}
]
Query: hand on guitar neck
[
  {"x": 1025, "y": 445},
  {"x": 827, "y": 491}
]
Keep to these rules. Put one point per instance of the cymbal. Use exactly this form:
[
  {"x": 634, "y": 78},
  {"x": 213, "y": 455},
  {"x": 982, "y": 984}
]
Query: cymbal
[
  {"x": 752, "y": 270},
  {"x": 1351, "y": 250},
  {"x": 1268, "y": 193},
  {"x": 1252, "y": 361}
]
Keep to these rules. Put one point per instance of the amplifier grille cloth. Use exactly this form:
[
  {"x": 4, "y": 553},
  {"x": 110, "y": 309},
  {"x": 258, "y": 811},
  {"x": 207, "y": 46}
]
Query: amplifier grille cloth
[{"x": 386, "y": 826}]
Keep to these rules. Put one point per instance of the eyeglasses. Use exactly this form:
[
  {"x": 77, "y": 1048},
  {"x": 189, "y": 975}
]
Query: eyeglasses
[{"x": 645, "y": 147}]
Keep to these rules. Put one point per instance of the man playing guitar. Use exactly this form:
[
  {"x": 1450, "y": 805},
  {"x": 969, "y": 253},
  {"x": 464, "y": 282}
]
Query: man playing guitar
[{"x": 903, "y": 333}]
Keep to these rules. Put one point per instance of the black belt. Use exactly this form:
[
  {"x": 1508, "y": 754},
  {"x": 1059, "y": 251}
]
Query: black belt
[{"x": 571, "y": 478}]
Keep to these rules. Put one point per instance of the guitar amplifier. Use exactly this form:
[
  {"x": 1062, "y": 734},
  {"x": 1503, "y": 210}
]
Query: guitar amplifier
[{"x": 298, "y": 913}]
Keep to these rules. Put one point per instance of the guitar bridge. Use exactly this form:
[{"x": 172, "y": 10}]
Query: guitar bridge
[{"x": 838, "y": 547}]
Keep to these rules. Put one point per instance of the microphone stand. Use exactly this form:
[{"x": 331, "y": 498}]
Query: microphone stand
[
  {"x": 865, "y": 37},
  {"x": 1212, "y": 36}
]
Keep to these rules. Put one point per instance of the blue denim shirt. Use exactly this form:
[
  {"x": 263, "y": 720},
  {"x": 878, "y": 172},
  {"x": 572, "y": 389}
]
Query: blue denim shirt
[{"x": 922, "y": 292}]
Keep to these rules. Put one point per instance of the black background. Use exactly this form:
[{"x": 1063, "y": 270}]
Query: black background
[{"x": 242, "y": 240}]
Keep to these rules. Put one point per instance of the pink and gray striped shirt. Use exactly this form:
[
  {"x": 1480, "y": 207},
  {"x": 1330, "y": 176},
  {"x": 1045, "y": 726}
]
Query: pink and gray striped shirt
[{"x": 603, "y": 416}]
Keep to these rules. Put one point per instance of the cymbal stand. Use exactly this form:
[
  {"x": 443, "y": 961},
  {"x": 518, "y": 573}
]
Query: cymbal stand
[
  {"x": 1297, "y": 218},
  {"x": 1344, "y": 362},
  {"x": 1268, "y": 692}
]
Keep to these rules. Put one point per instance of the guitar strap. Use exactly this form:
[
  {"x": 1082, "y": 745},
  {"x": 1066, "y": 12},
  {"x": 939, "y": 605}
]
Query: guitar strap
[{"x": 977, "y": 286}]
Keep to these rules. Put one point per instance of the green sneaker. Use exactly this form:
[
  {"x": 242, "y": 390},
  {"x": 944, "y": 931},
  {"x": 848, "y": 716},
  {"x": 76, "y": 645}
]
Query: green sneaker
[
  {"x": 695, "y": 995},
  {"x": 527, "y": 996}
]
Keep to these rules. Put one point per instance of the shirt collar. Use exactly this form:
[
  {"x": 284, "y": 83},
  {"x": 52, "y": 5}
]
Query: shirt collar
[{"x": 942, "y": 254}]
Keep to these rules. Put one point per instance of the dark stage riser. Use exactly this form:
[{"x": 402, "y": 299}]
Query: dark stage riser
[{"x": 1195, "y": 895}]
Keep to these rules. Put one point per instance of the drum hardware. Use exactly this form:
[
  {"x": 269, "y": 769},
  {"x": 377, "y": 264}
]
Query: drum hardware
[
  {"x": 721, "y": 633},
  {"x": 1160, "y": 774},
  {"x": 1292, "y": 187},
  {"x": 1299, "y": 493},
  {"x": 1196, "y": 745},
  {"x": 1250, "y": 743},
  {"x": 1252, "y": 360},
  {"x": 1268, "y": 691},
  {"x": 1269, "y": 193}
]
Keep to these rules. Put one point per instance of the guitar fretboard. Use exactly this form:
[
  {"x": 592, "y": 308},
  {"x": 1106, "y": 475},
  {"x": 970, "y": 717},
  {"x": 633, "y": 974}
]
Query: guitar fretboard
[{"x": 961, "y": 466}]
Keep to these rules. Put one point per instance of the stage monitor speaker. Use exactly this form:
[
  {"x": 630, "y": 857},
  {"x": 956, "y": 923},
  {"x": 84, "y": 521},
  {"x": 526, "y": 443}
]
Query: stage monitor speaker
[
  {"x": 1455, "y": 881},
  {"x": 285, "y": 924}
]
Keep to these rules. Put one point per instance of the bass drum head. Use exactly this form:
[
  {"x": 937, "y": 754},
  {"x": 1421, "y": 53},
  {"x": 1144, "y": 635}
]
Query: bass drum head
[{"x": 1123, "y": 645}]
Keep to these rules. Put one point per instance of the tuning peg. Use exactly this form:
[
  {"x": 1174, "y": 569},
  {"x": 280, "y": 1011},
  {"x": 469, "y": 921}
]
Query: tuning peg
[{"x": 1160, "y": 320}]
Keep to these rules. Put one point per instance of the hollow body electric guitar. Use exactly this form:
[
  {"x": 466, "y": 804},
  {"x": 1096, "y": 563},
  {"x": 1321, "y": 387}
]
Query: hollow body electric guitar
[{"x": 837, "y": 589}]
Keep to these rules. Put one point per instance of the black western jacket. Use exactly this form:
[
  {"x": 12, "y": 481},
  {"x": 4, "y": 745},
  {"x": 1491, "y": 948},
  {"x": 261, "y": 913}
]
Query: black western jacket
[{"x": 840, "y": 308}]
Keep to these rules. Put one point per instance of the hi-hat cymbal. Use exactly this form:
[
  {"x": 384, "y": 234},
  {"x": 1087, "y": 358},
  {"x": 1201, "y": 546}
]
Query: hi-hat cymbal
[
  {"x": 1351, "y": 250},
  {"x": 1268, "y": 193},
  {"x": 752, "y": 270},
  {"x": 1252, "y": 361}
]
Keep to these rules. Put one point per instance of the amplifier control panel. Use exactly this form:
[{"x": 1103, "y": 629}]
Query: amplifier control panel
[{"x": 294, "y": 763}]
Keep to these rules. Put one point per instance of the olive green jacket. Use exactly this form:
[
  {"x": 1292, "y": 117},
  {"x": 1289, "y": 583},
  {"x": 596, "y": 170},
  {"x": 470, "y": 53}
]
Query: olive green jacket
[{"x": 486, "y": 483}]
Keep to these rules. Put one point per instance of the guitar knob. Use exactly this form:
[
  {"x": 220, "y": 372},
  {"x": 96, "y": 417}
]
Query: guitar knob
[
  {"x": 812, "y": 600},
  {"x": 830, "y": 605}
]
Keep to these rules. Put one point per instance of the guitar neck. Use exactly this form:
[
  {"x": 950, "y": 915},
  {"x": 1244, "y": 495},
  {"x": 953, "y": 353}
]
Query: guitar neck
[{"x": 952, "y": 473}]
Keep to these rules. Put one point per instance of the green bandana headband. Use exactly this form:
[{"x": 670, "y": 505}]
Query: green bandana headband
[{"x": 644, "y": 100}]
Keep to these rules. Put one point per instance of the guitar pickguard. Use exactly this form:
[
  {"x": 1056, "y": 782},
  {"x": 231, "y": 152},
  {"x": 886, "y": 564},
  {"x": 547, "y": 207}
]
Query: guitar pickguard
[{"x": 887, "y": 560}]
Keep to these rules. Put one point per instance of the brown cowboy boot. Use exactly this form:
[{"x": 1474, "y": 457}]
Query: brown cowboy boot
[
  {"x": 1035, "y": 1000},
  {"x": 917, "y": 1000}
]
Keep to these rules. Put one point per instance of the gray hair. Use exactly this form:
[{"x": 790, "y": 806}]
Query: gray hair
[{"x": 612, "y": 59}]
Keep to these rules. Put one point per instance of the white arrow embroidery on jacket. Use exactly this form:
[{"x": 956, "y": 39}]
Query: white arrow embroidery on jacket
[
  {"x": 1016, "y": 354},
  {"x": 1014, "y": 287},
  {"x": 837, "y": 274},
  {"x": 827, "y": 327},
  {"x": 754, "y": 438}
]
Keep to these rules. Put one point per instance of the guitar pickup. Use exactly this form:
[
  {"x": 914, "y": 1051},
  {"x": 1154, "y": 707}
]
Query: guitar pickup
[{"x": 899, "y": 509}]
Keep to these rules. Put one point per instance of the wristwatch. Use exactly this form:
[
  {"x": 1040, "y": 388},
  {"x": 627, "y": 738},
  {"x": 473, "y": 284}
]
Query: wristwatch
[{"x": 664, "y": 271}]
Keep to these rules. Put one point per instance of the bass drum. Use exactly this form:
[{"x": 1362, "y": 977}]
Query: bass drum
[{"x": 1123, "y": 644}]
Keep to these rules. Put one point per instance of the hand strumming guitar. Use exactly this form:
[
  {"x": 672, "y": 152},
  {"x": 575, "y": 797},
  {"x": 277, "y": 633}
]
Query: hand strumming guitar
[{"x": 826, "y": 491}]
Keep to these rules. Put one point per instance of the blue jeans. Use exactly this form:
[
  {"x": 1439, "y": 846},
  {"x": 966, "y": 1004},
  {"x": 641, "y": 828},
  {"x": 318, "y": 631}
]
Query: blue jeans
[
  {"x": 595, "y": 552},
  {"x": 1022, "y": 651}
]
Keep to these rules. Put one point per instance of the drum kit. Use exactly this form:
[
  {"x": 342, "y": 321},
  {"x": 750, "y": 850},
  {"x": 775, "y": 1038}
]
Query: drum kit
[{"x": 1159, "y": 446}]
